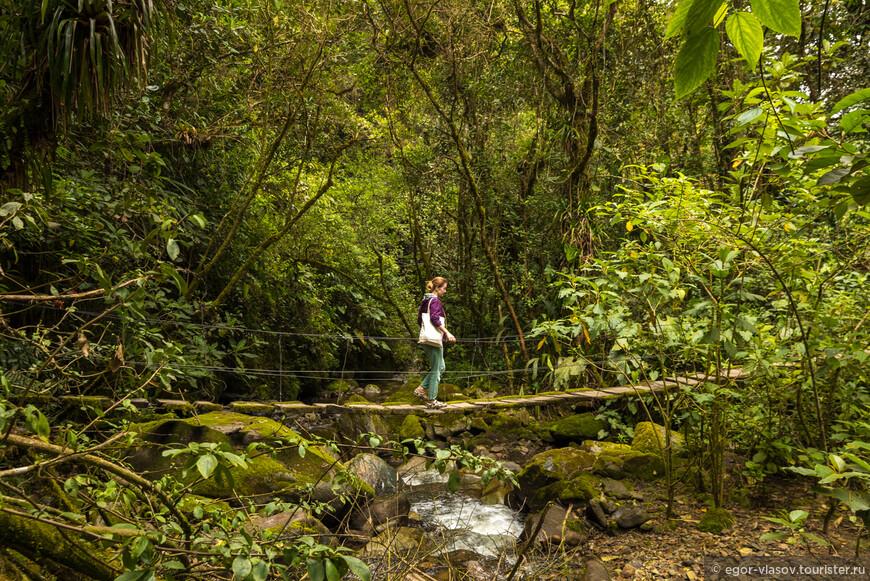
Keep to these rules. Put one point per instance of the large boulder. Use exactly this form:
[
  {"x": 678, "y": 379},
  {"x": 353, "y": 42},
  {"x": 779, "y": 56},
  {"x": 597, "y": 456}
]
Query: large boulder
[
  {"x": 554, "y": 466},
  {"x": 287, "y": 475},
  {"x": 409, "y": 541},
  {"x": 652, "y": 438},
  {"x": 389, "y": 510},
  {"x": 559, "y": 526},
  {"x": 372, "y": 470},
  {"x": 632, "y": 464},
  {"x": 577, "y": 428},
  {"x": 290, "y": 525},
  {"x": 562, "y": 474}
]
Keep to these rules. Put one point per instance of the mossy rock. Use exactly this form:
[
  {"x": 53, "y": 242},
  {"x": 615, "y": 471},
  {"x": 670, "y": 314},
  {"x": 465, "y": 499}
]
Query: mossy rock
[
  {"x": 715, "y": 520},
  {"x": 356, "y": 399},
  {"x": 287, "y": 474},
  {"x": 595, "y": 447},
  {"x": 577, "y": 428},
  {"x": 553, "y": 466},
  {"x": 412, "y": 428},
  {"x": 651, "y": 438},
  {"x": 338, "y": 386},
  {"x": 629, "y": 464},
  {"x": 518, "y": 426},
  {"x": 251, "y": 408},
  {"x": 577, "y": 491}
]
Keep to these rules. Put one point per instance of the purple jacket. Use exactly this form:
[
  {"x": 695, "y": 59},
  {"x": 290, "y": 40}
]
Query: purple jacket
[{"x": 436, "y": 312}]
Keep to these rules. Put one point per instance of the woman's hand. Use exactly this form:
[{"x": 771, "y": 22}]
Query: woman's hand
[{"x": 450, "y": 336}]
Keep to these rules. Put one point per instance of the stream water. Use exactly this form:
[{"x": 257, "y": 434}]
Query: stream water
[{"x": 464, "y": 521}]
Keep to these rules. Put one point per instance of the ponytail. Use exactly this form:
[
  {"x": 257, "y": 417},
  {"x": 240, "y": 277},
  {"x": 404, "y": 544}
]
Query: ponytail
[{"x": 435, "y": 283}]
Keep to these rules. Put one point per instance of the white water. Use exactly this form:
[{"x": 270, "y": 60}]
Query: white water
[{"x": 467, "y": 523}]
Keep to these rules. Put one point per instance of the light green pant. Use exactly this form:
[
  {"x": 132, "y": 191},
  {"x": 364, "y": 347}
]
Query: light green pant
[{"x": 435, "y": 355}]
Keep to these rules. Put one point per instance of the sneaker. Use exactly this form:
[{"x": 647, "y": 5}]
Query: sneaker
[
  {"x": 435, "y": 404},
  {"x": 419, "y": 392}
]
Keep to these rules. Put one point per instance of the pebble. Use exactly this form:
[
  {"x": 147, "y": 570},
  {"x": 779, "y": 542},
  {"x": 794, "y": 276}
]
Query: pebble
[
  {"x": 628, "y": 570},
  {"x": 745, "y": 551}
]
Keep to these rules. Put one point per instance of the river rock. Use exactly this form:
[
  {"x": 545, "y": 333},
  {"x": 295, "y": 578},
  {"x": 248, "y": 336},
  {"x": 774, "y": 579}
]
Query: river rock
[
  {"x": 651, "y": 438},
  {"x": 287, "y": 475},
  {"x": 478, "y": 572},
  {"x": 576, "y": 428},
  {"x": 495, "y": 492},
  {"x": 392, "y": 509},
  {"x": 294, "y": 524},
  {"x": 372, "y": 470},
  {"x": 595, "y": 571},
  {"x": 559, "y": 525},
  {"x": 615, "y": 489},
  {"x": 596, "y": 513},
  {"x": 401, "y": 541},
  {"x": 629, "y": 517},
  {"x": 371, "y": 392}
]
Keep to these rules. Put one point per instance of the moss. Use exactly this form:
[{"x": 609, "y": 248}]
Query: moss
[
  {"x": 578, "y": 526},
  {"x": 552, "y": 466},
  {"x": 629, "y": 464},
  {"x": 577, "y": 428},
  {"x": 93, "y": 401},
  {"x": 402, "y": 396},
  {"x": 577, "y": 491},
  {"x": 651, "y": 438},
  {"x": 338, "y": 386},
  {"x": 204, "y": 407},
  {"x": 479, "y": 424},
  {"x": 356, "y": 399},
  {"x": 252, "y": 408},
  {"x": 412, "y": 427},
  {"x": 595, "y": 447},
  {"x": 715, "y": 520},
  {"x": 191, "y": 501}
]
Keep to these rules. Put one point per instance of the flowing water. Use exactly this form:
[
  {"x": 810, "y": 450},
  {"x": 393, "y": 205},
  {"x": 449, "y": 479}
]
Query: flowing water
[{"x": 466, "y": 523}]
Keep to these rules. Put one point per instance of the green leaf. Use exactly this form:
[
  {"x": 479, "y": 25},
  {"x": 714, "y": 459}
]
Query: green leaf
[
  {"x": 241, "y": 567},
  {"x": 696, "y": 61},
  {"x": 9, "y": 207},
  {"x": 860, "y": 190},
  {"x": 833, "y": 176},
  {"x": 849, "y": 100},
  {"x": 746, "y": 34},
  {"x": 138, "y": 575},
  {"x": 771, "y": 536},
  {"x": 749, "y": 116},
  {"x": 453, "y": 482},
  {"x": 206, "y": 465},
  {"x": 315, "y": 570},
  {"x": 678, "y": 18},
  {"x": 783, "y": 16},
  {"x": 854, "y": 120},
  {"x": 358, "y": 568},
  {"x": 701, "y": 14},
  {"x": 798, "y": 515},
  {"x": 260, "y": 572},
  {"x": 330, "y": 570},
  {"x": 172, "y": 249}
]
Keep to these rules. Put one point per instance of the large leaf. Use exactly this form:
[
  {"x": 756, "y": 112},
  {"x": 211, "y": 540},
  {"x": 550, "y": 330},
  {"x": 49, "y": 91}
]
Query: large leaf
[
  {"x": 860, "y": 190},
  {"x": 696, "y": 61},
  {"x": 206, "y": 465},
  {"x": 850, "y": 100},
  {"x": 853, "y": 120},
  {"x": 241, "y": 567},
  {"x": 783, "y": 16},
  {"x": 701, "y": 14},
  {"x": 746, "y": 34},
  {"x": 678, "y": 18},
  {"x": 358, "y": 568}
]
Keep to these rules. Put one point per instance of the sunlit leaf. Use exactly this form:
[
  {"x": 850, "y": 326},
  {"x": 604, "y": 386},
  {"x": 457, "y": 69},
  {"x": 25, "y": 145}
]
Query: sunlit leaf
[
  {"x": 696, "y": 61},
  {"x": 746, "y": 34},
  {"x": 783, "y": 16}
]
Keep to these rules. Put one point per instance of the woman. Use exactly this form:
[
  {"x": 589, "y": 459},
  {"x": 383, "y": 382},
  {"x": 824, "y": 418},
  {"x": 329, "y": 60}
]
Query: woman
[{"x": 428, "y": 389}]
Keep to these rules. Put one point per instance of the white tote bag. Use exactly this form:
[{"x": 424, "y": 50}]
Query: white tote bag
[{"x": 429, "y": 335}]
